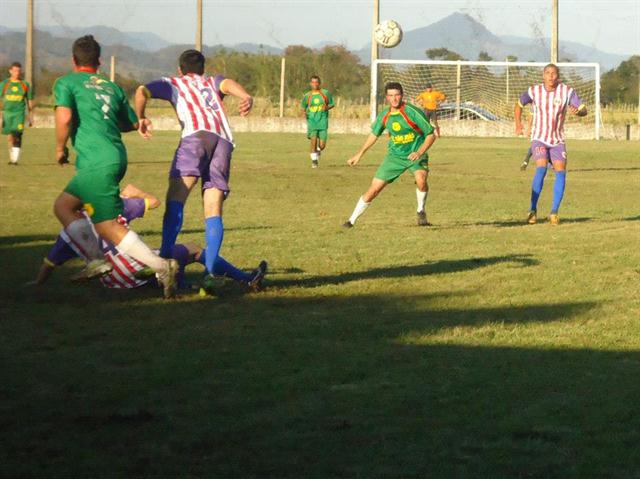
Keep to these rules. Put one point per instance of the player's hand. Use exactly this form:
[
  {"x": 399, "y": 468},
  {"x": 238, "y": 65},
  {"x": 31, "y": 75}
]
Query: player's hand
[
  {"x": 30, "y": 120},
  {"x": 413, "y": 156},
  {"x": 62, "y": 156},
  {"x": 145, "y": 128},
  {"x": 519, "y": 130},
  {"x": 353, "y": 161},
  {"x": 574, "y": 110},
  {"x": 245, "y": 106}
]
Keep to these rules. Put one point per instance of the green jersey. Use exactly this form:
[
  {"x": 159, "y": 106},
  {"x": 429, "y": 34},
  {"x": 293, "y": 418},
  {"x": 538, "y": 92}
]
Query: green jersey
[
  {"x": 407, "y": 127},
  {"x": 100, "y": 112},
  {"x": 15, "y": 94},
  {"x": 315, "y": 103}
]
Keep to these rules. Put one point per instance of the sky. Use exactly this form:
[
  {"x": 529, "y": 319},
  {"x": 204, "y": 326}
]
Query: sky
[{"x": 610, "y": 25}]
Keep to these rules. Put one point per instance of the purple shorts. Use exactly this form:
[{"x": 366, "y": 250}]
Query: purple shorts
[
  {"x": 550, "y": 153},
  {"x": 206, "y": 156}
]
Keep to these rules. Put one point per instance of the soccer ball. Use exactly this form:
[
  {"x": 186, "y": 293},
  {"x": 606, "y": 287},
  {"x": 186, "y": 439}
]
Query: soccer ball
[{"x": 388, "y": 33}]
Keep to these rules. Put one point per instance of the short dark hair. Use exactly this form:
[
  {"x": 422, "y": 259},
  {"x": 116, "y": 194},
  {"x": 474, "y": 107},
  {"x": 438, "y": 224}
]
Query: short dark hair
[
  {"x": 191, "y": 61},
  {"x": 86, "y": 51},
  {"x": 429, "y": 85},
  {"x": 394, "y": 85},
  {"x": 15, "y": 64},
  {"x": 315, "y": 77},
  {"x": 552, "y": 65}
]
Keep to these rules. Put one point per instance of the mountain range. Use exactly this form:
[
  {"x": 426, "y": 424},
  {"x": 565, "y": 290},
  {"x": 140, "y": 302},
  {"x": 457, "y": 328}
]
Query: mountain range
[{"x": 145, "y": 55}]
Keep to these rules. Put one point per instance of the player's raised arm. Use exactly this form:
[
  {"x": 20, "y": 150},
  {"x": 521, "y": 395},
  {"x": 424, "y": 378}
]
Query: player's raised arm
[
  {"x": 233, "y": 88},
  {"x": 369, "y": 142}
]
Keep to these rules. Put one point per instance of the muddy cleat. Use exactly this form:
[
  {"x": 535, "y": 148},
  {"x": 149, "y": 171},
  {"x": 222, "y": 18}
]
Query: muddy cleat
[
  {"x": 422, "y": 219},
  {"x": 554, "y": 219},
  {"x": 257, "y": 276},
  {"x": 167, "y": 278},
  {"x": 210, "y": 285},
  {"x": 95, "y": 268},
  {"x": 532, "y": 219},
  {"x": 314, "y": 163},
  {"x": 348, "y": 225},
  {"x": 524, "y": 165}
]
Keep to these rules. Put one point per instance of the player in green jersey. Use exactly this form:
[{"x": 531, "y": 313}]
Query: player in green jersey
[
  {"x": 315, "y": 105},
  {"x": 93, "y": 111},
  {"x": 16, "y": 94},
  {"x": 410, "y": 136}
]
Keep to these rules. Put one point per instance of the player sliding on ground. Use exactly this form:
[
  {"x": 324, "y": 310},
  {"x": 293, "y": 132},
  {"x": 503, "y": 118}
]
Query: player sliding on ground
[
  {"x": 16, "y": 94},
  {"x": 124, "y": 274},
  {"x": 92, "y": 111},
  {"x": 316, "y": 104},
  {"x": 410, "y": 136},
  {"x": 551, "y": 100},
  {"x": 204, "y": 153}
]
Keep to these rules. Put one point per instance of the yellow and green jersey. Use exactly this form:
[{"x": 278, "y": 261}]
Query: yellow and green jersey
[
  {"x": 15, "y": 94},
  {"x": 408, "y": 127},
  {"x": 315, "y": 103},
  {"x": 100, "y": 112}
]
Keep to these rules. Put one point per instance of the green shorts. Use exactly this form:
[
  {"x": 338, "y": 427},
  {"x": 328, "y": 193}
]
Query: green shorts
[
  {"x": 322, "y": 134},
  {"x": 12, "y": 123},
  {"x": 392, "y": 167},
  {"x": 99, "y": 190}
]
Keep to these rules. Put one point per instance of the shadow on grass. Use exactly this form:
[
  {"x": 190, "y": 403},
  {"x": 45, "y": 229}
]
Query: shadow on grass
[
  {"x": 633, "y": 218},
  {"x": 522, "y": 222},
  {"x": 437, "y": 267},
  {"x": 341, "y": 386},
  {"x": 631, "y": 168}
]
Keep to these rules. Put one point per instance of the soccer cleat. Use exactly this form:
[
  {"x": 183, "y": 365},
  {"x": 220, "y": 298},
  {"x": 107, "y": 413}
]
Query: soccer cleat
[
  {"x": 314, "y": 163},
  {"x": 422, "y": 219},
  {"x": 524, "y": 165},
  {"x": 348, "y": 225},
  {"x": 257, "y": 276},
  {"x": 167, "y": 278},
  {"x": 94, "y": 269},
  {"x": 532, "y": 219},
  {"x": 144, "y": 273},
  {"x": 554, "y": 219}
]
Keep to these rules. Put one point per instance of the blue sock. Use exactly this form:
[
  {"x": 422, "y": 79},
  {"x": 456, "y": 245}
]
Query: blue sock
[
  {"x": 536, "y": 187},
  {"x": 214, "y": 232},
  {"x": 221, "y": 267},
  {"x": 171, "y": 226},
  {"x": 558, "y": 190}
]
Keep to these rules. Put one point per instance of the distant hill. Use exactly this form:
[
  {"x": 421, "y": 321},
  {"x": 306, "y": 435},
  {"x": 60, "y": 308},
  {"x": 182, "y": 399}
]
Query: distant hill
[{"x": 461, "y": 33}]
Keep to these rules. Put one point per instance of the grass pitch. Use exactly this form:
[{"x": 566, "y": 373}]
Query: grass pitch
[{"x": 479, "y": 347}]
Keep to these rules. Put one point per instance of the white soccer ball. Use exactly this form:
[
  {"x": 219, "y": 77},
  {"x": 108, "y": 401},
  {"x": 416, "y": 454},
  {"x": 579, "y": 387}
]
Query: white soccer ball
[{"x": 388, "y": 33}]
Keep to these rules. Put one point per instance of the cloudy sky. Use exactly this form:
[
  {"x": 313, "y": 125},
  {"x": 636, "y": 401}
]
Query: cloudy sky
[{"x": 610, "y": 25}]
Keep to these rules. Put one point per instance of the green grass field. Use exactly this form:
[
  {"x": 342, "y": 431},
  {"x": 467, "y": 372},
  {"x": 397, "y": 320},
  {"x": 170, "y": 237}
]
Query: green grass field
[{"x": 478, "y": 347}]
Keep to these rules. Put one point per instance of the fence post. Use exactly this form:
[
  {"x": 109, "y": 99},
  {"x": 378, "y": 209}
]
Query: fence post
[
  {"x": 458, "y": 75},
  {"x": 112, "y": 69},
  {"x": 282, "y": 78}
]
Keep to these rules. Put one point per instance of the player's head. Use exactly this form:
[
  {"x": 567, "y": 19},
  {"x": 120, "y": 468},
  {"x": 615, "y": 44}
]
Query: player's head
[
  {"x": 191, "y": 61},
  {"x": 86, "y": 52},
  {"x": 15, "y": 70},
  {"x": 428, "y": 87},
  {"x": 551, "y": 75},
  {"x": 314, "y": 81},
  {"x": 393, "y": 93}
]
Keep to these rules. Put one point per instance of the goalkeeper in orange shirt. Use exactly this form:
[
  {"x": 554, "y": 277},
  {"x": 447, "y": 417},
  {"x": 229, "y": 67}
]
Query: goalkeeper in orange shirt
[{"x": 429, "y": 100}]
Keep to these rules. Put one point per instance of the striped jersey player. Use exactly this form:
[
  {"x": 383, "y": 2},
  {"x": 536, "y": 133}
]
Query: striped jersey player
[
  {"x": 550, "y": 100},
  {"x": 204, "y": 153}
]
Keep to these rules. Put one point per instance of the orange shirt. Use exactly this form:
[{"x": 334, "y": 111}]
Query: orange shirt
[{"x": 430, "y": 99}]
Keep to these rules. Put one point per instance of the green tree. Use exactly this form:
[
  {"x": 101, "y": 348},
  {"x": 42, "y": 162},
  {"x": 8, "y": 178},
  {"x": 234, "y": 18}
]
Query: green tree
[
  {"x": 484, "y": 57},
  {"x": 620, "y": 85},
  {"x": 443, "y": 54}
]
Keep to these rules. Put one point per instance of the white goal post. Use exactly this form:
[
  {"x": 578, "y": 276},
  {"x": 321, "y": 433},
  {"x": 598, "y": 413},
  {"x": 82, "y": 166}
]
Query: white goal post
[{"x": 481, "y": 95}]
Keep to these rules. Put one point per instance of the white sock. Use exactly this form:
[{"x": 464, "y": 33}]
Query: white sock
[
  {"x": 14, "y": 154},
  {"x": 82, "y": 233},
  {"x": 422, "y": 199},
  {"x": 361, "y": 206},
  {"x": 314, "y": 156},
  {"x": 132, "y": 245}
]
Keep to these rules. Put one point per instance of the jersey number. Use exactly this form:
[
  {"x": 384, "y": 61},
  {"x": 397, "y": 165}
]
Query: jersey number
[{"x": 106, "y": 104}]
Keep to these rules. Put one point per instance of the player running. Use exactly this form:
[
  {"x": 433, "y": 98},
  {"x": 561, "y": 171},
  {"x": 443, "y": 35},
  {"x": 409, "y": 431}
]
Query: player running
[
  {"x": 124, "y": 274},
  {"x": 551, "y": 100},
  {"x": 316, "y": 104},
  {"x": 93, "y": 112},
  {"x": 16, "y": 94},
  {"x": 204, "y": 153},
  {"x": 429, "y": 99},
  {"x": 410, "y": 136}
]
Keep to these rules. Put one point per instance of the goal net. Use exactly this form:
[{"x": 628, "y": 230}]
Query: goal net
[{"x": 481, "y": 95}]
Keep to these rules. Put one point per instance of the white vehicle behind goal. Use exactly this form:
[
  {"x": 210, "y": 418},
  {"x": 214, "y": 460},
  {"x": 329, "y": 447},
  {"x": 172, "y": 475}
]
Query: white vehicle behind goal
[{"x": 481, "y": 95}]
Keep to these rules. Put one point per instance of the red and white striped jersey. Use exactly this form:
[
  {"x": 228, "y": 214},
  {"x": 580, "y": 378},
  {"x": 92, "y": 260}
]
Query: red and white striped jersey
[
  {"x": 550, "y": 111},
  {"x": 197, "y": 100}
]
